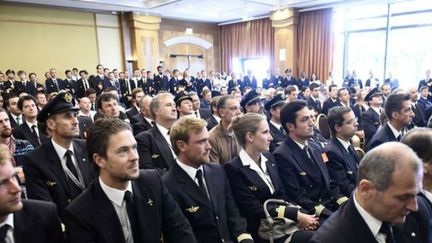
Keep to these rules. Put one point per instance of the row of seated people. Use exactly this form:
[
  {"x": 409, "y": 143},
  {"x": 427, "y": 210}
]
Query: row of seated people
[{"x": 316, "y": 188}]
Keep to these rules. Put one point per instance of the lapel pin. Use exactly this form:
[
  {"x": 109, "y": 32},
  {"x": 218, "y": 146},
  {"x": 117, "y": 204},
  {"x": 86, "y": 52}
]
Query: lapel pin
[
  {"x": 413, "y": 234},
  {"x": 302, "y": 173},
  {"x": 150, "y": 202},
  {"x": 253, "y": 188},
  {"x": 192, "y": 209}
]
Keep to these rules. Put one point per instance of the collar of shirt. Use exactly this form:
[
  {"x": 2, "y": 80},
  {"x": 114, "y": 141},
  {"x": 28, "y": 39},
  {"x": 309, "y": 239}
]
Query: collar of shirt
[
  {"x": 373, "y": 223},
  {"x": 217, "y": 118},
  {"x": 344, "y": 143},
  {"x": 60, "y": 150},
  {"x": 15, "y": 117},
  {"x": 30, "y": 125},
  {"x": 115, "y": 195},
  {"x": 162, "y": 130},
  {"x": 428, "y": 195},
  {"x": 9, "y": 221},
  {"x": 248, "y": 161},
  {"x": 90, "y": 114},
  {"x": 376, "y": 109},
  {"x": 278, "y": 126},
  {"x": 191, "y": 171},
  {"x": 150, "y": 121},
  {"x": 301, "y": 145},
  {"x": 396, "y": 133},
  {"x": 413, "y": 104}
]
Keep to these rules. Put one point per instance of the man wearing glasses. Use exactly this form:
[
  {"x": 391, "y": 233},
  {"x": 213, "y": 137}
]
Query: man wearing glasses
[
  {"x": 343, "y": 160},
  {"x": 58, "y": 170}
]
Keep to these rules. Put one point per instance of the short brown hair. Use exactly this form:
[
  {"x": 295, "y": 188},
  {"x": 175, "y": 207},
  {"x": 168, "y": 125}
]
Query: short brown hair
[{"x": 181, "y": 128}]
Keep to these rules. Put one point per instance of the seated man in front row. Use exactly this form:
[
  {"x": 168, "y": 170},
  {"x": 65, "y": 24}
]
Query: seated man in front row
[
  {"x": 124, "y": 204},
  {"x": 384, "y": 206},
  {"x": 200, "y": 188},
  {"x": 24, "y": 220},
  {"x": 301, "y": 165}
]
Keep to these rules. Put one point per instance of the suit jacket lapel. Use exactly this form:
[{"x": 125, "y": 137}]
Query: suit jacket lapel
[
  {"x": 190, "y": 187},
  {"x": 320, "y": 165},
  {"x": 56, "y": 167},
  {"x": 22, "y": 226},
  {"x": 143, "y": 200},
  {"x": 82, "y": 162},
  {"x": 164, "y": 148},
  {"x": 351, "y": 164},
  {"x": 212, "y": 181}
]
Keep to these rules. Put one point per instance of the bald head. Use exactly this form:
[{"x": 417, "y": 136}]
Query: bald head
[{"x": 144, "y": 105}]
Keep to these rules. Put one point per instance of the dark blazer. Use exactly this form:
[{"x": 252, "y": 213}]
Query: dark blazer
[
  {"x": 13, "y": 122},
  {"x": 154, "y": 150},
  {"x": 328, "y": 104},
  {"x": 419, "y": 115},
  {"x": 250, "y": 82},
  {"x": 278, "y": 136},
  {"x": 289, "y": 81},
  {"x": 306, "y": 182},
  {"x": 352, "y": 82},
  {"x": 24, "y": 132},
  {"x": 92, "y": 217},
  {"x": 368, "y": 83},
  {"x": 369, "y": 122},
  {"x": 37, "y": 222},
  {"x": 315, "y": 104},
  {"x": 204, "y": 113},
  {"x": 233, "y": 84},
  {"x": 139, "y": 124},
  {"x": 250, "y": 192},
  {"x": 84, "y": 124},
  {"x": 81, "y": 89},
  {"x": 425, "y": 103},
  {"x": 215, "y": 220},
  {"x": 347, "y": 225},
  {"x": 32, "y": 88},
  {"x": 342, "y": 166},
  {"x": 132, "y": 112},
  {"x": 98, "y": 80},
  {"x": 51, "y": 87},
  {"x": 173, "y": 85},
  {"x": 383, "y": 135},
  {"x": 45, "y": 178},
  {"x": 211, "y": 122}
]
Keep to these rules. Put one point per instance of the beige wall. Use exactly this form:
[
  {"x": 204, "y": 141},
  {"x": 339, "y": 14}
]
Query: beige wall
[{"x": 35, "y": 39}]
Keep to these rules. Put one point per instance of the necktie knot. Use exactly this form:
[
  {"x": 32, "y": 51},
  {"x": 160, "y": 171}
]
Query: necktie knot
[
  {"x": 386, "y": 229},
  {"x": 198, "y": 175},
  {"x": 128, "y": 197}
]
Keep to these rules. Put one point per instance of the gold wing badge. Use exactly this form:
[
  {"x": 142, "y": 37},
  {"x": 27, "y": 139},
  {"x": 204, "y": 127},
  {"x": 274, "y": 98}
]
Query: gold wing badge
[{"x": 192, "y": 209}]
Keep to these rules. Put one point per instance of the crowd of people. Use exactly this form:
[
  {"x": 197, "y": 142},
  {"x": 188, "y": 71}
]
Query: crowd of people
[{"x": 162, "y": 157}]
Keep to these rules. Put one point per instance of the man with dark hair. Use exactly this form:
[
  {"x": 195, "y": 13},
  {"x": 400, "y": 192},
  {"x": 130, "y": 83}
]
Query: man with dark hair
[
  {"x": 33, "y": 87},
  {"x": 419, "y": 119},
  {"x": 174, "y": 81},
  {"x": 124, "y": 204},
  {"x": 58, "y": 170},
  {"x": 21, "y": 86},
  {"x": 301, "y": 165},
  {"x": 384, "y": 206},
  {"x": 99, "y": 79},
  {"x": 134, "y": 109},
  {"x": 343, "y": 159},
  {"x": 214, "y": 119},
  {"x": 69, "y": 84},
  {"x": 194, "y": 182},
  {"x": 41, "y": 99},
  {"x": 423, "y": 100},
  {"x": 15, "y": 114},
  {"x": 91, "y": 94},
  {"x": 82, "y": 84},
  {"x": 29, "y": 129},
  {"x": 24, "y": 220},
  {"x": 277, "y": 131},
  {"x": 108, "y": 107},
  {"x": 53, "y": 84},
  {"x": 343, "y": 95},
  {"x": 313, "y": 100},
  {"x": 399, "y": 113},
  {"x": 154, "y": 145},
  {"x": 9, "y": 84},
  {"x": 199, "y": 112},
  {"x": 332, "y": 100},
  {"x": 370, "y": 119},
  {"x": 291, "y": 93}
]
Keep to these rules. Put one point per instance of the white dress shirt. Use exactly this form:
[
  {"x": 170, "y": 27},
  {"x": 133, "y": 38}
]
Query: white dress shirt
[
  {"x": 190, "y": 171},
  {"x": 165, "y": 134},
  {"x": 116, "y": 197},
  {"x": 373, "y": 223},
  {"x": 10, "y": 233},
  {"x": 260, "y": 170}
]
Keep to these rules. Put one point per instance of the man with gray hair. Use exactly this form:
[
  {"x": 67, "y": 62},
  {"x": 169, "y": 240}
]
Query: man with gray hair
[
  {"x": 154, "y": 145},
  {"x": 384, "y": 206}
]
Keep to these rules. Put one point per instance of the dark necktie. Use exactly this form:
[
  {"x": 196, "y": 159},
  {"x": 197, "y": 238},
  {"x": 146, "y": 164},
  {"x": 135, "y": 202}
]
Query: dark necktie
[
  {"x": 388, "y": 231},
  {"x": 18, "y": 120},
  {"x": 353, "y": 153},
  {"x": 399, "y": 137},
  {"x": 35, "y": 134},
  {"x": 282, "y": 130},
  {"x": 199, "y": 176},
  {"x": 69, "y": 163},
  {"x": 85, "y": 84},
  {"x": 306, "y": 150},
  {"x": 3, "y": 231},
  {"x": 132, "y": 215}
]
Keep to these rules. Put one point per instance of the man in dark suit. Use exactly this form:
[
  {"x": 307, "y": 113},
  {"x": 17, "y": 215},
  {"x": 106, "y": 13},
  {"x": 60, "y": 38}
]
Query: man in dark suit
[
  {"x": 202, "y": 113},
  {"x": 174, "y": 81},
  {"x": 69, "y": 84},
  {"x": 15, "y": 115},
  {"x": 24, "y": 220},
  {"x": 200, "y": 188},
  {"x": 277, "y": 131},
  {"x": 82, "y": 84},
  {"x": 313, "y": 100},
  {"x": 250, "y": 80},
  {"x": 99, "y": 79},
  {"x": 303, "y": 80},
  {"x": 9, "y": 84},
  {"x": 158, "y": 80},
  {"x": 33, "y": 87},
  {"x": 58, "y": 170},
  {"x": 289, "y": 79},
  {"x": 234, "y": 82},
  {"x": 373, "y": 214},
  {"x": 142, "y": 121},
  {"x": 214, "y": 119},
  {"x": 111, "y": 82},
  {"x": 419, "y": 119},
  {"x": 343, "y": 159},
  {"x": 370, "y": 119},
  {"x": 423, "y": 100},
  {"x": 399, "y": 113},
  {"x": 53, "y": 84},
  {"x": 124, "y": 204},
  {"x": 332, "y": 100},
  {"x": 29, "y": 130},
  {"x": 154, "y": 146},
  {"x": 301, "y": 165},
  {"x": 134, "y": 109}
]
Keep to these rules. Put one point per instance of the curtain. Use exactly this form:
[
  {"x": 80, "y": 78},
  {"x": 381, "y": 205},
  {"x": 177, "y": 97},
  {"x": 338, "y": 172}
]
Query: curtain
[
  {"x": 245, "y": 40},
  {"x": 315, "y": 43}
]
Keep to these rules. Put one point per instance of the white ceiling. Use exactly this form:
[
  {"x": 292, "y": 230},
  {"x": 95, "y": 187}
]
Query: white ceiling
[{"x": 216, "y": 11}]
